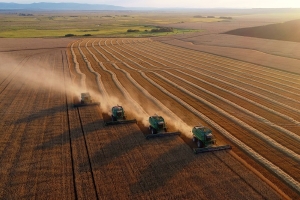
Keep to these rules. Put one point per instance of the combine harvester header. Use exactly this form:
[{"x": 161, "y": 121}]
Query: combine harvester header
[
  {"x": 118, "y": 116},
  {"x": 205, "y": 140},
  {"x": 86, "y": 100},
  {"x": 158, "y": 127}
]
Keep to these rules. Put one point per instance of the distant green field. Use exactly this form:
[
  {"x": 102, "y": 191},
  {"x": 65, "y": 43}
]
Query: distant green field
[{"x": 92, "y": 23}]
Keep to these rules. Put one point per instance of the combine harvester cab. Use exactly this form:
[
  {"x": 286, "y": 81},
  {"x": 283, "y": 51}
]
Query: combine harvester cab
[
  {"x": 205, "y": 140},
  {"x": 86, "y": 100},
  {"x": 118, "y": 116},
  {"x": 158, "y": 127}
]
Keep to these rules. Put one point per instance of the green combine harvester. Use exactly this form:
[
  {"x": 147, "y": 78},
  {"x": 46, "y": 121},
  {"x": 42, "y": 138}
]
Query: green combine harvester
[
  {"x": 118, "y": 116},
  {"x": 158, "y": 127},
  {"x": 205, "y": 140},
  {"x": 86, "y": 100}
]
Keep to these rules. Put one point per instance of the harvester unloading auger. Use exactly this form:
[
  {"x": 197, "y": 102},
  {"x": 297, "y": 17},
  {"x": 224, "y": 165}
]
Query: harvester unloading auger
[
  {"x": 118, "y": 116},
  {"x": 205, "y": 140},
  {"x": 158, "y": 127},
  {"x": 86, "y": 100}
]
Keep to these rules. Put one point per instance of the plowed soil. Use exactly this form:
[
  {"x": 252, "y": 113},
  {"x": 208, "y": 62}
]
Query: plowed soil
[{"x": 50, "y": 150}]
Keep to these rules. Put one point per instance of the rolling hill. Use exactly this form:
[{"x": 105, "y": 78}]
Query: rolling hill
[{"x": 287, "y": 31}]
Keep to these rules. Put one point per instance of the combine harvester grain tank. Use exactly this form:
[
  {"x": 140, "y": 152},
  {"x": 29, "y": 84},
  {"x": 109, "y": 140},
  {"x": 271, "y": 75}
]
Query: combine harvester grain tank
[
  {"x": 118, "y": 116},
  {"x": 158, "y": 127},
  {"x": 86, "y": 100},
  {"x": 205, "y": 140}
]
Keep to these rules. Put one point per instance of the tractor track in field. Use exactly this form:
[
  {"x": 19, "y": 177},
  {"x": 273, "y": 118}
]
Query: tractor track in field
[
  {"x": 88, "y": 153},
  {"x": 111, "y": 46},
  {"x": 90, "y": 84},
  {"x": 68, "y": 101}
]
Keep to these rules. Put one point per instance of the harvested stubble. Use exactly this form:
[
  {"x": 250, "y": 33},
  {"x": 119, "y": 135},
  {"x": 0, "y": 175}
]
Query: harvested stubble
[{"x": 28, "y": 168}]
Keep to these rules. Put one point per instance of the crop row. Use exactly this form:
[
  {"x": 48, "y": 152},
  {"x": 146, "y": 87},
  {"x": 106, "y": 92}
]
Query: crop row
[{"x": 130, "y": 63}]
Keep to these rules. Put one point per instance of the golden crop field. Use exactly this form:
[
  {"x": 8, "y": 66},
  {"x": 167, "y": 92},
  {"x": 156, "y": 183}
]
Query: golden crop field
[{"x": 51, "y": 150}]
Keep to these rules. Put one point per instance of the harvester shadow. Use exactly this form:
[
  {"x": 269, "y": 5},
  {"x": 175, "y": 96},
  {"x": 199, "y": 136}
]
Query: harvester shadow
[
  {"x": 41, "y": 114},
  {"x": 114, "y": 149},
  {"x": 70, "y": 135},
  {"x": 161, "y": 170},
  {"x": 151, "y": 178}
]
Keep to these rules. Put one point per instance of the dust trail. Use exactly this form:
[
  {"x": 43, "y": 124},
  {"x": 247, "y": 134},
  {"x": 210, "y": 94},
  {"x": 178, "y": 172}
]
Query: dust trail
[
  {"x": 106, "y": 101},
  {"x": 169, "y": 116},
  {"x": 36, "y": 72},
  {"x": 40, "y": 72},
  {"x": 140, "y": 112}
]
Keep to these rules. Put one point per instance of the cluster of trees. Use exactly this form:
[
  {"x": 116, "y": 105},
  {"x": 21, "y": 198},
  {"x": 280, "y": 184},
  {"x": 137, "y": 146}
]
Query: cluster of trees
[
  {"x": 199, "y": 16},
  {"x": 72, "y": 35},
  {"x": 162, "y": 29},
  {"x": 155, "y": 30},
  {"x": 133, "y": 30},
  {"x": 24, "y": 14}
]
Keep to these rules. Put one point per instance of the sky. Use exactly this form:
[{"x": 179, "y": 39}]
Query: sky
[{"x": 180, "y": 3}]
